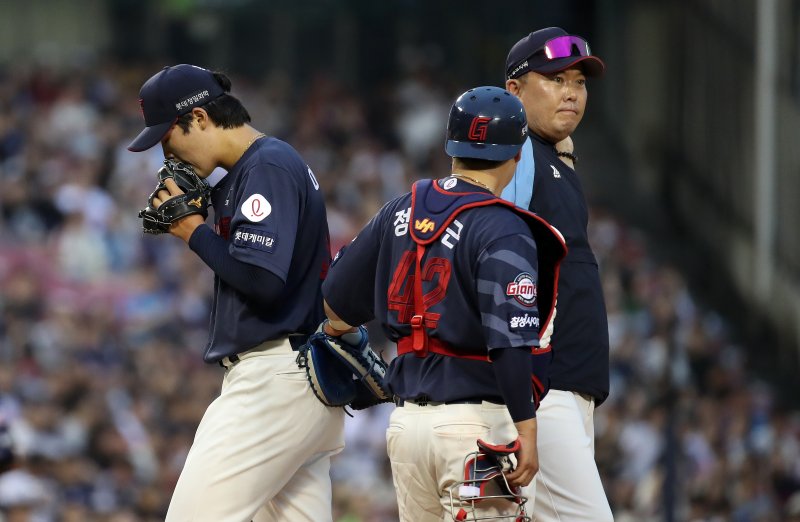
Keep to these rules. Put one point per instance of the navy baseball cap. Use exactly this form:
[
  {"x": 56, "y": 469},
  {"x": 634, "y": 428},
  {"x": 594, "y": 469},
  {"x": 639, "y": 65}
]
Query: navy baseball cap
[
  {"x": 172, "y": 92},
  {"x": 551, "y": 50}
]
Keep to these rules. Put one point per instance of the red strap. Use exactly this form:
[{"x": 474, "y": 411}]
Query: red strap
[
  {"x": 538, "y": 388},
  {"x": 418, "y": 335},
  {"x": 500, "y": 449},
  {"x": 405, "y": 345}
]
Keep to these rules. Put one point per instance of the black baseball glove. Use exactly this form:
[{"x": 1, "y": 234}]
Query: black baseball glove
[
  {"x": 344, "y": 370},
  {"x": 194, "y": 200}
]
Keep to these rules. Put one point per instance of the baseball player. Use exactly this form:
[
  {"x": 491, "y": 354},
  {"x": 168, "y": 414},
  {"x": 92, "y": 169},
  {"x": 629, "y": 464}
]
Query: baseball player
[
  {"x": 450, "y": 271},
  {"x": 547, "y": 70},
  {"x": 262, "y": 450}
]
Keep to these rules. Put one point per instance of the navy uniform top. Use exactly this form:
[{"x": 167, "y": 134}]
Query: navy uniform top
[
  {"x": 477, "y": 286},
  {"x": 580, "y": 337},
  {"x": 270, "y": 211}
]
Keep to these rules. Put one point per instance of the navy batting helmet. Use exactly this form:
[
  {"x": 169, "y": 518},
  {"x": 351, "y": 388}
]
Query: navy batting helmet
[{"x": 486, "y": 123}]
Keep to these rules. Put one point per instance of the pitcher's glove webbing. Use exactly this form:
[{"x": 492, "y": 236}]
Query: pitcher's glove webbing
[{"x": 194, "y": 200}]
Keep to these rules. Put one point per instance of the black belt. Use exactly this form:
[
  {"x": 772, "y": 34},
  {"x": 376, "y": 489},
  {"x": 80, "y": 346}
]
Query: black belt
[
  {"x": 296, "y": 340},
  {"x": 424, "y": 402}
]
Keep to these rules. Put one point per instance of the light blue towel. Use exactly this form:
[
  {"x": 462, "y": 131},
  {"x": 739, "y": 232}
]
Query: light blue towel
[{"x": 520, "y": 189}]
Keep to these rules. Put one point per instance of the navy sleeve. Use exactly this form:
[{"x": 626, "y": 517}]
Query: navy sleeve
[
  {"x": 264, "y": 225},
  {"x": 506, "y": 288},
  {"x": 252, "y": 281},
  {"x": 349, "y": 288},
  {"x": 510, "y": 369}
]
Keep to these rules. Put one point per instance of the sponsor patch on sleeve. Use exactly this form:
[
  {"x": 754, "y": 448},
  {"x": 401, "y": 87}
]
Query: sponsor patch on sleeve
[
  {"x": 253, "y": 238},
  {"x": 256, "y": 208},
  {"x": 523, "y": 322}
]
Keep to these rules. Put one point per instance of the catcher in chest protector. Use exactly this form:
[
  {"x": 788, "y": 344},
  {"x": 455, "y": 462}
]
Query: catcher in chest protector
[
  {"x": 465, "y": 284},
  {"x": 263, "y": 447}
]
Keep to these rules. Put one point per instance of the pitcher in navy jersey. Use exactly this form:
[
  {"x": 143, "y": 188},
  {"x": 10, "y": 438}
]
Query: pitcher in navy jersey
[
  {"x": 548, "y": 71},
  {"x": 262, "y": 450},
  {"x": 462, "y": 281}
]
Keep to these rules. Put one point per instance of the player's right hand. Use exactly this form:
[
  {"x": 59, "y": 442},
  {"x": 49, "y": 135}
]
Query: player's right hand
[
  {"x": 185, "y": 226},
  {"x": 527, "y": 456}
]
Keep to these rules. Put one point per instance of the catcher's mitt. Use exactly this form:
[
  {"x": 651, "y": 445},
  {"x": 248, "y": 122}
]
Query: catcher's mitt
[
  {"x": 194, "y": 200},
  {"x": 344, "y": 371}
]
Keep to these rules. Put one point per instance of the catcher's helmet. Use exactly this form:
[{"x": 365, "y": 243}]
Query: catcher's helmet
[{"x": 486, "y": 123}]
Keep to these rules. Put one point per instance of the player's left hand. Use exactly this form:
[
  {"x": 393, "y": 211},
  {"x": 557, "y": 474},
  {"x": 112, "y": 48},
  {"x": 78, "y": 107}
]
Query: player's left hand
[{"x": 527, "y": 455}]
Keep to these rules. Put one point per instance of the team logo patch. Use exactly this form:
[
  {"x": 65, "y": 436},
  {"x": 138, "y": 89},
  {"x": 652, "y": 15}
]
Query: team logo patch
[
  {"x": 478, "y": 128},
  {"x": 424, "y": 226},
  {"x": 523, "y": 321},
  {"x": 253, "y": 238},
  {"x": 256, "y": 208},
  {"x": 523, "y": 289}
]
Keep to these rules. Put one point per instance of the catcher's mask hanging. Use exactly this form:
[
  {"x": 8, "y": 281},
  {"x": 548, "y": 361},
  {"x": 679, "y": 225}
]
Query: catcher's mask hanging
[{"x": 485, "y": 481}]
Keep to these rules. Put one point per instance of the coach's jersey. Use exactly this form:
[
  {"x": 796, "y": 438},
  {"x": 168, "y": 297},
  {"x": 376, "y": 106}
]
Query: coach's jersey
[
  {"x": 270, "y": 211},
  {"x": 478, "y": 285},
  {"x": 580, "y": 338}
]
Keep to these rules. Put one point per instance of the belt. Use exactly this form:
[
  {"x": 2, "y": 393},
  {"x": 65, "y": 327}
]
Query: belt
[
  {"x": 424, "y": 402},
  {"x": 296, "y": 340}
]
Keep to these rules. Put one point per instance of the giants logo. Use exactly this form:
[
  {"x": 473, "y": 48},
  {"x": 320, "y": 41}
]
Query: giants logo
[
  {"x": 477, "y": 130},
  {"x": 523, "y": 289}
]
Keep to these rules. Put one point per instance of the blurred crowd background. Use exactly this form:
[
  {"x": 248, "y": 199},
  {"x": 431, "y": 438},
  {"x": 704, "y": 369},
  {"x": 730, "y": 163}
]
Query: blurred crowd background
[{"x": 102, "y": 383}]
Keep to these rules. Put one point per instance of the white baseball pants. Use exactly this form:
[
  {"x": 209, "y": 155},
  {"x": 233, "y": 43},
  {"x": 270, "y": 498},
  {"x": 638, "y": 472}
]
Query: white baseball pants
[
  {"x": 262, "y": 450},
  {"x": 568, "y": 486},
  {"x": 427, "y": 446}
]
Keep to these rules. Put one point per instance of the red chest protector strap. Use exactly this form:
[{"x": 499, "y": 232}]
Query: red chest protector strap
[
  {"x": 432, "y": 211},
  {"x": 419, "y": 338},
  {"x": 433, "y": 345}
]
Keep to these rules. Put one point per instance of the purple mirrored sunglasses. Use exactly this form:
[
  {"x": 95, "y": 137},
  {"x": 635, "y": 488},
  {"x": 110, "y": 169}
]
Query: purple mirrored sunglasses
[{"x": 565, "y": 46}]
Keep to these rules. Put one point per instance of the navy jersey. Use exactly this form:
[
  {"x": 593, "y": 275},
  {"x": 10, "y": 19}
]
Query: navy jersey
[
  {"x": 271, "y": 212},
  {"x": 580, "y": 338},
  {"x": 478, "y": 283}
]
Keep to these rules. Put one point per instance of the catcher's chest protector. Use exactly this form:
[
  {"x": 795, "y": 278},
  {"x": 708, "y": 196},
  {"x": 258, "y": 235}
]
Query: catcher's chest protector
[{"x": 433, "y": 209}]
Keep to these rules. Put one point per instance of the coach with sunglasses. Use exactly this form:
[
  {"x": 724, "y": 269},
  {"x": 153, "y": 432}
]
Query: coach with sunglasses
[{"x": 547, "y": 70}]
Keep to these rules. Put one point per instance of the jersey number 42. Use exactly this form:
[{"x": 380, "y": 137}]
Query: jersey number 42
[{"x": 401, "y": 289}]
